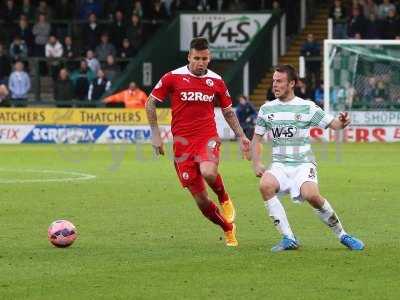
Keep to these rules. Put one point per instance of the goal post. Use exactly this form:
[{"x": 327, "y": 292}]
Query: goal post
[{"x": 361, "y": 75}]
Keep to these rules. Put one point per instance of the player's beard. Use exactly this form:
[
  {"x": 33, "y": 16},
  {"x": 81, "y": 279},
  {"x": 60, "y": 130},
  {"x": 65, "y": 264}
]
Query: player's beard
[
  {"x": 199, "y": 72},
  {"x": 283, "y": 94}
]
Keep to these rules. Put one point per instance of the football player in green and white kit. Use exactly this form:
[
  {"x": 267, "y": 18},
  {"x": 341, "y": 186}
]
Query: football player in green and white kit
[{"x": 293, "y": 169}]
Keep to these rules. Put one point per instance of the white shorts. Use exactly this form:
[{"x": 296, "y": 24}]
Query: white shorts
[{"x": 291, "y": 178}]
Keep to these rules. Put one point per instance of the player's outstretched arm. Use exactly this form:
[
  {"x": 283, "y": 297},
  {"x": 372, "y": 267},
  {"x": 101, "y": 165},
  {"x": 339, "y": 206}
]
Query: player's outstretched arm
[
  {"x": 256, "y": 150},
  {"x": 233, "y": 123},
  {"x": 155, "y": 130},
  {"x": 340, "y": 122}
]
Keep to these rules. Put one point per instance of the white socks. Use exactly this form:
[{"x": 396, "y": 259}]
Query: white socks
[
  {"x": 329, "y": 217},
  {"x": 278, "y": 216},
  {"x": 280, "y": 220}
]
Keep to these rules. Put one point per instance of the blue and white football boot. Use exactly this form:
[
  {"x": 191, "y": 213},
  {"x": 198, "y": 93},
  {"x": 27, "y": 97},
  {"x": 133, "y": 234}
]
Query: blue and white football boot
[
  {"x": 351, "y": 242},
  {"x": 286, "y": 244}
]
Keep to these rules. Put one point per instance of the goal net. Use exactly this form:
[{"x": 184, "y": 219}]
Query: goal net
[{"x": 361, "y": 75}]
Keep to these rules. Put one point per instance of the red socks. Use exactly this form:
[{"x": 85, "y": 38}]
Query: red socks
[
  {"x": 219, "y": 189},
  {"x": 212, "y": 213}
]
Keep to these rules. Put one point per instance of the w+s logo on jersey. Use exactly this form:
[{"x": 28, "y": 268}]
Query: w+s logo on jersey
[{"x": 284, "y": 131}]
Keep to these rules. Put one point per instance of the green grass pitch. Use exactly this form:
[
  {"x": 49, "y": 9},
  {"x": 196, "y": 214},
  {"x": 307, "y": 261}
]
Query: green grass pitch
[{"x": 141, "y": 236}]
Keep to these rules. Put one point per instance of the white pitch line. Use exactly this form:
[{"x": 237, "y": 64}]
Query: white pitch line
[{"x": 81, "y": 176}]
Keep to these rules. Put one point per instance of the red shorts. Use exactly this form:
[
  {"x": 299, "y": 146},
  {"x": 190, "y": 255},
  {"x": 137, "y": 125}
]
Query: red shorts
[{"x": 189, "y": 153}]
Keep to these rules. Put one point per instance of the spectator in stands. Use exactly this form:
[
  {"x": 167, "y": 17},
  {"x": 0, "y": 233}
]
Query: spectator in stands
[
  {"x": 381, "y": 97},
  {"x": 91, "y": 32},
  {"x": 92, "y": 61},
  {"x": 41, "y": 31},
  {"x": 368, "y": 90},
  {"x": 391, "y": 25},
  {"x": 70, "y": 50},
  {"x": 5, "y": 64},
  {"x": 110, "y": 68},
  {"x": 44, "y": 9},
  {"x": 372, "y": 30},
  {"x": 110, "y": 8},
  {"x": 351, "y": 96},
  {"x": 312, "y": 49},
  {"x": 4, "y": 102},
  {"x": 133, "y": 97},
  {"x": 126, "y": 50},
  {"x": 54, "y": 50},
  {"x": 319, "y": 95},
  {"x": 204, "y": 5},
  {"x": 18, "y": 49},
  {"x": 89, "y": 7},
  {"x": 276, "y": 7},
  {"x": 24, "y": 31},
  {"x": 369, "y": 7},
  {"x": 338, "y": 98},
  {"x": 167, "y": 4},
  {"x": 301, "y": 90},
  {"x": 63, "y": 89},
  {"x": 118, "y": 29},
  {"x": 356, "y": 4},
  {"x": 134, "y": 33},
  {"x": 81, "y": 79},
  {"x": 137, "y": 8},
  {"x": 158, "y": 14},
  {"x": 105, "y": 48},
  {"x": 384, "y": 8},
  {"x": 246, "y": 114},
  {"x": 98, "y": 87},
  {"x": 19, "y": 84},
  {"x": 338, "y": 14},
  {"x": 357, "y": 23},
  {"x": 28, "y": 10}
]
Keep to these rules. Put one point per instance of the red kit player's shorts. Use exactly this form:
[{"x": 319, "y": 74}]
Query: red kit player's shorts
[{"x": 188, "y": 153}]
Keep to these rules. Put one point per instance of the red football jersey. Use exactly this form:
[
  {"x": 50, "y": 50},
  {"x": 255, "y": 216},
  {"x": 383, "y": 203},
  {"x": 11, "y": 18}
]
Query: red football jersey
[{"x": 192, "y": 101}]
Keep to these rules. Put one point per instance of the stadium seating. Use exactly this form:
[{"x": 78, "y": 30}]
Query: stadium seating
[{"x": 76, "y": 27}]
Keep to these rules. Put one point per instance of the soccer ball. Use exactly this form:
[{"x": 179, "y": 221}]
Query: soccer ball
[{"x": 62, "y": 233}]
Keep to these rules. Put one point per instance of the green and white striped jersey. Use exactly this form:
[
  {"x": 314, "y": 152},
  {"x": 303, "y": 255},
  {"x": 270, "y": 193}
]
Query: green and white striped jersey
[{"x": 288, "y": 124}]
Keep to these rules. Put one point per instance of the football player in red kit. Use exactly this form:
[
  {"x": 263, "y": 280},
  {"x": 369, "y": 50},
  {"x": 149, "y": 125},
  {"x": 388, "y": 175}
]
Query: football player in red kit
[{"x": 193, "y": 91}]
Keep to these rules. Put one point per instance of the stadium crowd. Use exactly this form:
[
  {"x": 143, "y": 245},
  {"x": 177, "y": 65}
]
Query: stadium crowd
[
  {"x": 366, "y": 19},
  {"x": 84, "y": 44},
  {"x": 352, "y": 19}
]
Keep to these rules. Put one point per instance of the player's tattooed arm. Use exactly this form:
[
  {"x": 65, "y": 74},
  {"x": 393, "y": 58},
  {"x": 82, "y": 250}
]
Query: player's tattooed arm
[
  {"x": 340, "y": 122},
  {"x": 256, "y": 151},
  {"x": 155, "y": 130},
  {"x": 233, "y": 123}
]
